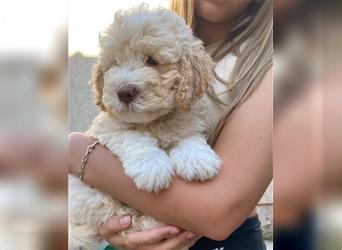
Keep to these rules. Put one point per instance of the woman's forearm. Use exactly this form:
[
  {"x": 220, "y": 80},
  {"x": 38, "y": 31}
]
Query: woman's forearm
[
  {"x": 210, "y": 209},
  {"x": 191, "y": 206}
]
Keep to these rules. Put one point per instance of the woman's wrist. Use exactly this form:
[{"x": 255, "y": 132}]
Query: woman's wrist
[
  {"x": 78, "y": 143},
  {"x": 102, "y": 165}
]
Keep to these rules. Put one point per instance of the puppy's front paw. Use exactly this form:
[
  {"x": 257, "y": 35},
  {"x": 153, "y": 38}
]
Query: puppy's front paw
[
  {"x": 151, "y": 172},
  {"x": 194, "y": 160}
]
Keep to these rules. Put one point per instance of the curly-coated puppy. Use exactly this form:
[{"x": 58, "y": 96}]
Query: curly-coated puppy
[{"x": 149, "y": 80}]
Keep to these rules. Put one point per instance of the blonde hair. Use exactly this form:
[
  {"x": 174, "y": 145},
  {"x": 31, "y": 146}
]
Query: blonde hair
[{"x": 255, "y": 31}]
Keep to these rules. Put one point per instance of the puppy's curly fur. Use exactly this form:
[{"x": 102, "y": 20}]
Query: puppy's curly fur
[{"x": 162, "y": 131}]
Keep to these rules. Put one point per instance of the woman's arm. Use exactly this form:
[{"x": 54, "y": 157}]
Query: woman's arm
[{"x": 214, "y": 208}]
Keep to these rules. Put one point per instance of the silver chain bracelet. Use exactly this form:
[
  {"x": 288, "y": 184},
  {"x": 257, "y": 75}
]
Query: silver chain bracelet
[{"x": 90, "y": 149}]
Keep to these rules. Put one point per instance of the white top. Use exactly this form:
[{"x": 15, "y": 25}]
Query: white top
[{"x": 223, "y": 69}]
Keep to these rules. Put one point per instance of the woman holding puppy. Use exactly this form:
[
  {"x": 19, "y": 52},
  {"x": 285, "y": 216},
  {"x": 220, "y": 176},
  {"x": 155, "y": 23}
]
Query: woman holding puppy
[{"x": 218, "y": 214}]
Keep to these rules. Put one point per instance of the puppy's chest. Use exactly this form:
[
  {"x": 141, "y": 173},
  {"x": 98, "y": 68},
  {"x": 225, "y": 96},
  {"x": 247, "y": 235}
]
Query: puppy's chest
[
  {"x": 169, "y": 132},
  {"x": 167, "y": 136}
]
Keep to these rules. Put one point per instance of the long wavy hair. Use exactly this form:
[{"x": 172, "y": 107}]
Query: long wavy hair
[{"x": 254, "y": 30}]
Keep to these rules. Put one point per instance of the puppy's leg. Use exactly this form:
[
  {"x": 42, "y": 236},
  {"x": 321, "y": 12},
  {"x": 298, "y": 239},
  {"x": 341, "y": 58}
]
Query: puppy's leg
[
  {"x": 83, "y": 237},
  {"x": 149, "y": 166},
  {"x": 193, "y": 159},
  {"x": 88, "y": 209}
]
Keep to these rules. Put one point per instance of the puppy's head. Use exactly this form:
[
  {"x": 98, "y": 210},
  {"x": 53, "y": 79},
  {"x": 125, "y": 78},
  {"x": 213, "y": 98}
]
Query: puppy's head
[{"x": 149, "y": 65}]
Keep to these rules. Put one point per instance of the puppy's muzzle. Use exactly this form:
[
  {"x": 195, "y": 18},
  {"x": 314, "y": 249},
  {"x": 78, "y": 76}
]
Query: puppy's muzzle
[{"x": 127, "y": 93}]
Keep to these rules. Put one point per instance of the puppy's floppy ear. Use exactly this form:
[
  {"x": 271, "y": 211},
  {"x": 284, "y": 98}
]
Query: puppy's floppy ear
[
  {"x": 196, "y": 74},
  {"x": 97, "y": 81}
]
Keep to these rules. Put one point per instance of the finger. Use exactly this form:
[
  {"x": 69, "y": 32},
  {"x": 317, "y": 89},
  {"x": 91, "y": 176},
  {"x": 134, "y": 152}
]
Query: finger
[
  {"x": 115, "y": 225},
  {"x": 179, "y": 241},
  {"x": 136, "y": 239},
  {"x": 190, "y": 243},
  {"x": 191, "y": 239},
  {"x": 117, "y": 241}
]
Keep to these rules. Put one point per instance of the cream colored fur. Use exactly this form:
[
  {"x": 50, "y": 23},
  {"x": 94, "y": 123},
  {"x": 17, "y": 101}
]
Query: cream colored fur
[{"x": 162, "y": 132}]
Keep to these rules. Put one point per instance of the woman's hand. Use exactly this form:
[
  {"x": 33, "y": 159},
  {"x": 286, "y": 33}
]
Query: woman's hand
[{"x": 166, "y": 238}]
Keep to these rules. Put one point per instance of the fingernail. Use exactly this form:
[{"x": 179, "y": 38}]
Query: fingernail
[
  {"x": 174, "y": 231},
  {"x": 125, "y": 220},
  {"x": 191, "y": 235}
]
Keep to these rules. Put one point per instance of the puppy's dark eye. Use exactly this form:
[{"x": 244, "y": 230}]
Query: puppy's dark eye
[{"x": 151, "y": 61}]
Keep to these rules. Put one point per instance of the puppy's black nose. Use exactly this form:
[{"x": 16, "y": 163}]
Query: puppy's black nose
[{"x": 127, "y": 93}]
